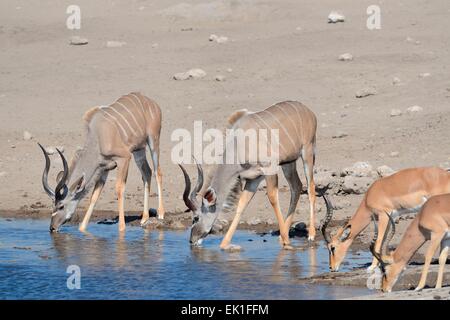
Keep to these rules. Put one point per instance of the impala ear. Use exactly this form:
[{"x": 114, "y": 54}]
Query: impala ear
[
  {"x": 210, "y": 197},
  {"x": 346, "y": 233}
]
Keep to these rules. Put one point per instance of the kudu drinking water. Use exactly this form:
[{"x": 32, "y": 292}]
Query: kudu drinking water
[
  {"x": 296, "y": 126},
  {"x": 114, "y": 134}
]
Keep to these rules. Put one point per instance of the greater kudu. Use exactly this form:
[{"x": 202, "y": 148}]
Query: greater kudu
[
  {"x": 296, "y": 126},
  {"x": 114, "y": 133}
]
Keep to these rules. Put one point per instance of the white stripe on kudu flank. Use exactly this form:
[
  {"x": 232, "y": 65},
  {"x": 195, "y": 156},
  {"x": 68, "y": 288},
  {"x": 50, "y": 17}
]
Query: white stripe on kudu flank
[
  {"x": 282, "y": 126},
  {"x": 115, "y": 122},
  {"x": 268, "y": 127},
  {"x": 290, "y": 118},
  {"x": 134, "y": 103},
  {"x": 132, "y": 115},
  {"x": 142, "y": 106},
  {"x": 124, "y": 119}
]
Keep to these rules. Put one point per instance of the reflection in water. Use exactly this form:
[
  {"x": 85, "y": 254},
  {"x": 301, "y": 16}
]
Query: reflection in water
[{"x": 142, "y": 264}]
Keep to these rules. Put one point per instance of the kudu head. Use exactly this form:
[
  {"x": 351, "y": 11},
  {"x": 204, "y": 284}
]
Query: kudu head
[
  {"x": 338, "y": 244},
  {"x": 65, "y": 198},
  {"x": 390, "y": 272},
  {"x": 204, "y": 213}
]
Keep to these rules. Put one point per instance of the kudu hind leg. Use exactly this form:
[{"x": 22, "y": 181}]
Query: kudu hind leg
[
  {"x": 95, "y": 195},
  {"x": 308, "y": 157},
  {"x": 295, "y": 186},
  {"x": 154, "y": 151},
  {"x": 146, "y": 172},
  {"x": 272, "y": 194}
]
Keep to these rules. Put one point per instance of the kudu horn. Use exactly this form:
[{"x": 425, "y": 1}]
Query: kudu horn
[
  {"x": 188, "y": 196},
  {"x": 54, "y": 194}
]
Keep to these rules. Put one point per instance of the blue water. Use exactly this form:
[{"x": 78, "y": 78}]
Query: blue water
[{"x": 157, "y": 265}]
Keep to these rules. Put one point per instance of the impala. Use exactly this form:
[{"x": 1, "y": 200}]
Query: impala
[
  {"x": 114, "y": 134},
  {"x": 237, "y": 183},
  {"x": 432, "y": 223},
  {"x": 400, "y": 193}
]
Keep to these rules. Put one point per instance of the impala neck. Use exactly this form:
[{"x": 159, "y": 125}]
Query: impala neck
[{"x": 360, "y": 220}]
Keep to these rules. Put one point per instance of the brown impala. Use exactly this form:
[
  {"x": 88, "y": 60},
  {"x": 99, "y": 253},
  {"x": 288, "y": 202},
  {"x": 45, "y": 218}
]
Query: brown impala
[{"x": 114, "y": 134}]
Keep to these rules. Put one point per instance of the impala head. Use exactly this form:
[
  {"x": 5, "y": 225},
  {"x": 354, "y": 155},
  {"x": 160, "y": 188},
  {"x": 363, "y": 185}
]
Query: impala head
[
  {"x": 339, "y": 243},
  {"x": 65, "y": 199},
  {"x": 204, "y": 214},
  {"x": 390, "y": 271}
]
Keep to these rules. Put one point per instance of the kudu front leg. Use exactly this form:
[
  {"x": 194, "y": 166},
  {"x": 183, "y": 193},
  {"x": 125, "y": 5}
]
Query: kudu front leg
[
  {"x": 295, "y": 186},
  {"x": 95, "y": 195},
  {"x": 156, "y": 167},
  {"x": 121, "y": 180},
  {"x": 272, "y": 194},
  {"x": 146, "y": 172},
  {"x": 308, "y": 165}
]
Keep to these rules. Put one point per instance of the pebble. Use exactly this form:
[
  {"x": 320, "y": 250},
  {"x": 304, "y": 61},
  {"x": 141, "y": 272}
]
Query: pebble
[
  {"x": 358, "y": 169},
  {"x": 218, "y": 39},
  {"x": 384, "y": 171},
  {"x": 396, "y": 81},
  {"x": 191, "y": 74},
  {"x": 395, "y": 113},
  {"x": 335, "y": 17},
  {"x": 220, "y": 78},
  {"x": 27, "y": 136},
  {"x": 394, "y": 154},
  {"x": 345, "y": 57},
  {"x": 424, "y": 75},
  {"x": 365, "y": 92},
  {"x": 78, "y": 41},
  {"x": 414, "y": 109},
  {"x": 52, "y": 150},
  {"x": 339, "y": 135},
  {"x": 115, "y": 44}
]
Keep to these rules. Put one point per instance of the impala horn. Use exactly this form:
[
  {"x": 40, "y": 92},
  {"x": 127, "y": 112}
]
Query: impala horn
[{"x": 328, "y": 216}]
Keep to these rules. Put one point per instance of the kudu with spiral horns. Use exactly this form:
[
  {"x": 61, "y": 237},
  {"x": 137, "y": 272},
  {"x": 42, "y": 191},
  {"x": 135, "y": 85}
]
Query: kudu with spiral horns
[{"x": 114, "y": 134}]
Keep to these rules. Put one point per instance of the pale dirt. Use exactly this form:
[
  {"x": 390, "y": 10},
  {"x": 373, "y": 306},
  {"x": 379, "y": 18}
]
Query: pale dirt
[{"x": 46, "y": 84}]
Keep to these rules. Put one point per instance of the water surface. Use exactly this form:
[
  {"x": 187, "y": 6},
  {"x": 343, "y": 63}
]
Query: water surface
[{"x": 157, "y": 265}]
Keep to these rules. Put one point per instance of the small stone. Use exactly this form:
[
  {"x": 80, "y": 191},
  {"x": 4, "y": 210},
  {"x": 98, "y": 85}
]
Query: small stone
[
  {"x": 384, "y": 171},
  {"x": 335, "y": 17},
  {"x": 213, "y": 37},
  {"x": 220, "y": 78},
  {"x": 189, "y": 107},
  {"x": 396, "y": 81},
  {"x": 395, "y": 113},
  {"x": 414, "y": 109},
  {"x": 78, "y": 41},
  {"x": 13, "y": 146},
  {"x": 52, "y": 150},
  {"x": 229, "y": 70},
  {"x": 358, "y": 169},
  {"x": 356, "y": 185},
  {"x": 394, "y": 154},
  {"x": 181, "y": 76},
  {"x": 339, "y": 135},
  {"x": 191, "y": 74},
  {"x": 365, "y": 92},
  {"x": 27, "y": 136},
  {"x": 155, "y": 45},
  {"x": 218, "y": 39},
  {"x": 424, "y": 75},
  {"x": 345, "y": 57},
  {"x": 115, "y": 44}
]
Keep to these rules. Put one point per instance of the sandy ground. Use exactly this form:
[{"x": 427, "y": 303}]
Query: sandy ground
[{"x": 276, "y": 51}]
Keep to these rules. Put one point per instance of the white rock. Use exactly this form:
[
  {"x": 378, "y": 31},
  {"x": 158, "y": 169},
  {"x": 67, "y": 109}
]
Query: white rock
[
  {"x": 424, "y": 75},
  {"x": 52, "y": 150},
  {"x": 27, "y": 136},
  {"x": 229, "y": 70},
  {"x": 220, "y": 78},
  {"x": 365, "y": 92},
  {"x": 218, "y": 39},
  {"x": 335, "y": 17},
  {"x": 414, "y": 109},
  {"x": 346, "y": 57},
  {"x": 191, "y": 74},
  {"x": 384, "y": 171},
  {"x": 78, "y": 41},
  {"x": 213, "y": 37},
  {"x": 395, "y": 81},
  {"x": 355, "y": 185},
  {"x": 358, "y": 169},
  {"x": 155, "y": 45},
  {"x": 395, "y": 154},
  {"x": 396, "y": 112},
  {"x": 115, "y": 44}
]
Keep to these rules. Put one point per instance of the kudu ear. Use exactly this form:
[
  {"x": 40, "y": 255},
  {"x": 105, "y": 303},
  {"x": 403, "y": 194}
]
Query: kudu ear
[
  {"x": 79, "y": 185},
  {"x": 346, "y": 233},
  {"x": 210, "y": 197}
]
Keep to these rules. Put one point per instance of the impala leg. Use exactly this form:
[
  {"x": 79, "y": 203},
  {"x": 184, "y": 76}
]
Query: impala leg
[
  {"x": 95, "y": 195},
  {"x": 246, "y": 196},
  {"x": 146, "y": 172},
  {"x": 383, "y": 222},
  {"x": 295, "y": 186},
  {"x": 442, "y": 261},
  {"x": 434, "y": 244},
  {"x": 155, "y": 159},
  {"x": 272, "y": 194},
  {"x": 308, "y": 165},
  {"x": 121, "y": 179}
]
